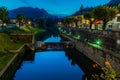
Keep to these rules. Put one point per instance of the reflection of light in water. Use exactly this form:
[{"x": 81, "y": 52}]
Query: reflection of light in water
[{"x": 53, "y": 39}]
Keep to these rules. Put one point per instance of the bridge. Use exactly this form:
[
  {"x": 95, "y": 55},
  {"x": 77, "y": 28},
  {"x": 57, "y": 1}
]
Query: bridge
[{"x": 53, "y": 45}]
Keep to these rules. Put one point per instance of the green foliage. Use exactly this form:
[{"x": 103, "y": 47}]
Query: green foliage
[
  {"x": 89, "y": 16},
  {"x": 104, "y": 13},
  {"x": 3, "y": 14},
  {"x": 6, "y": 44},
  {"x": 108, "y": 74},
  {"x": 20, "y": 19},
  {"x": 68, "y": 21},
  {"x": 49, "y": 22},
  {"x": 118, "y": 8},
  {"x": 14, "y": 30},
  {"x": 112, "y": 12},
  {"x": 101, "y": 13},
  {"x": 4, "y": 60},
  {"x": 40, "y": 23},
  {"x": 31, "y": 29}
]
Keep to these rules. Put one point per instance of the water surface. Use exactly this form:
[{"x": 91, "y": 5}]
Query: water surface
[{"x": 49, "y": 65}]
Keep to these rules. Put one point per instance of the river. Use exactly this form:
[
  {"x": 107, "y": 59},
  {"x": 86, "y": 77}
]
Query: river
[{"x": 52, "y": 65}]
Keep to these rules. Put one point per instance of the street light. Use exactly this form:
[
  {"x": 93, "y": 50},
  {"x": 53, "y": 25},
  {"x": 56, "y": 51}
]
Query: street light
[
  {"x": 118, "y": 41},
  {"x": 98, "y": 42}
]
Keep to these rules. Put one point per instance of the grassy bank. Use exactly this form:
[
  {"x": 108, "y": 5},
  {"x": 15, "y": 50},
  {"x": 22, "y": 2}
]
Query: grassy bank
[
  {"x": 6, "y": 44},
  {"x": 29, "y": 29}
]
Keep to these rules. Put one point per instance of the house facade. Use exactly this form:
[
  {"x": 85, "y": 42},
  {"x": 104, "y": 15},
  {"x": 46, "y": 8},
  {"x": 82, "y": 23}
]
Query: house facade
[{"x": 114, "y": 24}]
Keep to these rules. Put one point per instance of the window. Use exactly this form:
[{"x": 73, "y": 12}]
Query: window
[{"x": 118, "y": 18}]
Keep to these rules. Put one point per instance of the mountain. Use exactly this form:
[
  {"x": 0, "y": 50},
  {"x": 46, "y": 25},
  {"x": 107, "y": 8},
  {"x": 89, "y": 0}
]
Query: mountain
[
  {"x": 29, "y": 12},
  {"x": 113, "y": 3},
  {"x": 87, "y": 9}
]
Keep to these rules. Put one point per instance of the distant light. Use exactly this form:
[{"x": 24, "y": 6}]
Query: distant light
[
  {"x": 29, "y": 22},
  {"x": 118, "y": 41}
]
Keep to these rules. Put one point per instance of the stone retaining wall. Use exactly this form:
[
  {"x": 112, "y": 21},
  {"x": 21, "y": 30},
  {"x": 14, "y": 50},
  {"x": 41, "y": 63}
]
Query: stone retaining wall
[
  {"x": 98, "y": 55},
  {"x": 24, "y": 37},
  {"x": 13, "y": 64}
]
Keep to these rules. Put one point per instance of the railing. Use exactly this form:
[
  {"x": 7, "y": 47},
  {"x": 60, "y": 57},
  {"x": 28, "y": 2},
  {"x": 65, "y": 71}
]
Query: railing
[{"x": 54, "y": 45}]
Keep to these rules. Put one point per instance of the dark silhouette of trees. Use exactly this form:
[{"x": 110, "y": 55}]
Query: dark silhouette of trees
[
  {"x": 104, "y": 13},
  {"x": 40, "y": 23},
  {"x": 89, "y": 16},
  {"x": 20, "y": 19},
  {"x": 4, "y": 14}
]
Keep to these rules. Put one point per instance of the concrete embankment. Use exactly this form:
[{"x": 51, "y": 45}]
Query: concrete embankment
[
  {"x": 13, "y": 64},
  {"x": 97, "y": 54}
]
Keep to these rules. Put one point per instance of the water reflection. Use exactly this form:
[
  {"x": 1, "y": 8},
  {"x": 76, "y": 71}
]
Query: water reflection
[
  {"x": 49, "y": 65},
  {"x": 53, "y": 39},
  {"x": 83, "y": 62},
  {"x": 54, "y": 65},
  {"x": 29, "y": 57},
  {"x": 47, "y": 35}
]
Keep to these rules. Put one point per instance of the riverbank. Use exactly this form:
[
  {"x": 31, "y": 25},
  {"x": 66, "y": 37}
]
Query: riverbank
[
  {"x": 28, "y": 29},
  {"x": 7, "y": 43},
  {"x": 14, "y": 62}
]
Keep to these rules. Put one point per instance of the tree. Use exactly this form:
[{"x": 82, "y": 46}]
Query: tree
[
  {"x": 108, "y": 73},
  {"x": 81, "y": 9},
  {"x": 89, "y": 16},
  {"x": 112, "y": 12},
  {"x": 65, "y": 22},
  {"x": 118, "y": 8},
  {"x": 4, "y": 14},
  {"x": 104, "y": 13},
  {"x": 41, "y": 23},
  {"x": 20, "y": 19},
  {"x": 75, "y": 20},
  {"x": 49, "y": 22}
]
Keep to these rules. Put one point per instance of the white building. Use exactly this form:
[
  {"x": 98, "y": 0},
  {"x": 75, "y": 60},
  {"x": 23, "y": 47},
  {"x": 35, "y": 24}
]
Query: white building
[
  {"x": 114, "y": 24},
  {"x": 13, "y": 20}
]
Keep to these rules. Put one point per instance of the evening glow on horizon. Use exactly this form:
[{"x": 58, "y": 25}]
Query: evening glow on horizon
[{"x": 64, "y": 7}]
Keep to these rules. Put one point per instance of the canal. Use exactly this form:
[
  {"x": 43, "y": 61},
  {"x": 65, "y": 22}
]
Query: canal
[{"x": 54, "y": 65}]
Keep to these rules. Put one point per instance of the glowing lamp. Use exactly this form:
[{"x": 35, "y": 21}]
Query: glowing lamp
[
  {"x": 29, "y": 22},
  {"x": 98, "y": 42}
]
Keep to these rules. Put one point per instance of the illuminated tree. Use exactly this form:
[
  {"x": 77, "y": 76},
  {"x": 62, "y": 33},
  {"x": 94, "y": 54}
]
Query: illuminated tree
[
  {"x": 104, "y": 13},
  {"x": 75, "y": 20},
  {"x": 89, "y": 16}
]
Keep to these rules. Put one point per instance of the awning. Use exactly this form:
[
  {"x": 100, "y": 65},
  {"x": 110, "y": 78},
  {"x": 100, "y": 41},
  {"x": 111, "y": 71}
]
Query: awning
[{"x": 98, "y": 21}]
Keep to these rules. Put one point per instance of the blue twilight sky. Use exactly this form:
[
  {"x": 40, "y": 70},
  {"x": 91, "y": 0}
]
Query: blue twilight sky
[{"x": 65, "y": 7}]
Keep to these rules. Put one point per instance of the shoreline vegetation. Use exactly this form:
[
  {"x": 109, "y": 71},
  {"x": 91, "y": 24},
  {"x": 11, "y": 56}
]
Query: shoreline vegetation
[{"x": 6, "y": 43}]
